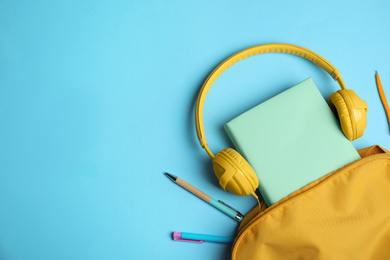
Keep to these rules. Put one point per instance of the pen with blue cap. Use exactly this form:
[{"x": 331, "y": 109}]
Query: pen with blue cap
[
  {"x": 228, "y": 210},
  {"x": 200, "y": 238}
]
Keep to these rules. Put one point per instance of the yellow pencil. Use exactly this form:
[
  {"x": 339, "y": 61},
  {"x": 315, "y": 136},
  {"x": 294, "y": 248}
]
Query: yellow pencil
[{"x": 382, "y": 96}]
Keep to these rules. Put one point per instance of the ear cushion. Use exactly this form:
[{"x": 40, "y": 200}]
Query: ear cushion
[
  {"x": 338, "y": 105},
  {"x": 351, "y": 111},
  {"x": 234, "y": 173}
]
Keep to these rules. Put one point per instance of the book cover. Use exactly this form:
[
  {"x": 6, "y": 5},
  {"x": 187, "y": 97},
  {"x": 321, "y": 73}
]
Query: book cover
[{"x": 291, "y": 140}]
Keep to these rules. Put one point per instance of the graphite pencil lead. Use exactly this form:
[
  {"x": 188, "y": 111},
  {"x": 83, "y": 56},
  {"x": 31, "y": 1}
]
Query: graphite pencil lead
[{"x": 171, "y": 177}]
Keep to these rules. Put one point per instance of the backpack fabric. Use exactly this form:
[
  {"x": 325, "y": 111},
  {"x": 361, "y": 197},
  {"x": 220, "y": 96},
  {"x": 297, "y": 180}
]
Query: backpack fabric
[{"x": 343, "y": 215}]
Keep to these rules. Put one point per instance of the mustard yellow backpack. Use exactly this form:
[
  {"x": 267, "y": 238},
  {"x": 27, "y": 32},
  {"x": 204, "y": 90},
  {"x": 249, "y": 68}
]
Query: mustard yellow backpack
[{"x": 344, "y": 215}]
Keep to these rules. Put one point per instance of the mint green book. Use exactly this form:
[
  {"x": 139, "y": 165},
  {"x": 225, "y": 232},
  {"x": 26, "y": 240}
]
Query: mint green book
[{"x": 291, "y": 140}]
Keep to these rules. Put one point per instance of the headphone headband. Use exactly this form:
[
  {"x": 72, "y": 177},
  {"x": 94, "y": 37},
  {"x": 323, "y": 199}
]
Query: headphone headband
[{"x": 246, "y": 53}]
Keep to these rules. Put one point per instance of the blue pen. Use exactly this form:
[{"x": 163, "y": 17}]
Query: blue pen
[{"x": 200, "y": 238}]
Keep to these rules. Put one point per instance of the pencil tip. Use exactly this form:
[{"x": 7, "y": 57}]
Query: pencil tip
[
  {"x": 376, "y": 72},
  {"x": 171, "y": 177}
]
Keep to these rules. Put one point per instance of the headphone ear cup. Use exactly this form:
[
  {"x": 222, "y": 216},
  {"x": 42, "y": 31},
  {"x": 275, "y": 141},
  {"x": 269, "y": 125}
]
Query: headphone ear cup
[
  {"x": 234, "y": 173},
  {"x": 351, "y": 111}
]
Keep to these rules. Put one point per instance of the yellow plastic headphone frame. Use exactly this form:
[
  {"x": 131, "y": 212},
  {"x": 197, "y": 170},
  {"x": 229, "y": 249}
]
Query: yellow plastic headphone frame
[{"x": 233, "y": 171}]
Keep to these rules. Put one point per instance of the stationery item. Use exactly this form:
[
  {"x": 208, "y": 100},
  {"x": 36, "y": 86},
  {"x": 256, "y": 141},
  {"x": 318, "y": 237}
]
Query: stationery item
[
  {"x": 233, "y": 171},
  {"x": 200, "y": 238},
  {"x": 291, "y": 140},
  {"x": 382, "y": 96},
  {"x": 220, "y": 205}
]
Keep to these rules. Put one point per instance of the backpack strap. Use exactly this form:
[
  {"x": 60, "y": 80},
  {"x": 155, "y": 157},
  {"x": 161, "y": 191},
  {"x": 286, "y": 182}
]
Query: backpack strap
[{"x": 371, "y": 150}]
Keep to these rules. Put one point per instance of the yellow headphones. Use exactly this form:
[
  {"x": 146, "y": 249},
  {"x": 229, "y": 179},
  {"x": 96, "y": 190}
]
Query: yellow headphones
[{"x": 233, "y": 171}]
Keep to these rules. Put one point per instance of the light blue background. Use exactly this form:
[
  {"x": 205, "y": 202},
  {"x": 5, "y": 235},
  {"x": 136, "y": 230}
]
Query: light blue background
[{"x": 97, "y": 102}]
